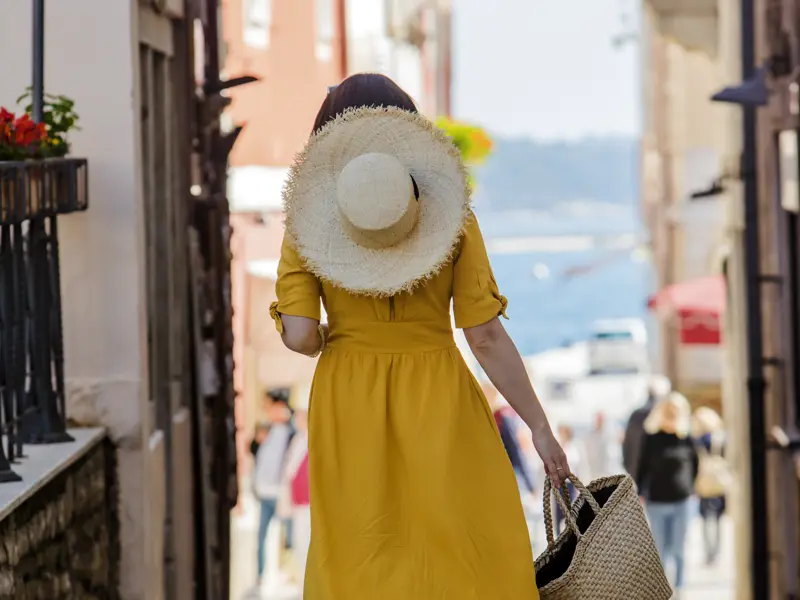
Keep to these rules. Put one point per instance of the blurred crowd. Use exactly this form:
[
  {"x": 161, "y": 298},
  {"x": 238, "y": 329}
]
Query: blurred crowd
[
  {"x": 676, "y": 457},
  {"x": 281, "y": 485}
]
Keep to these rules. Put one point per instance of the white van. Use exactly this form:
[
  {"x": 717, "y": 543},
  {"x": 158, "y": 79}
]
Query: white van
[{"x": 618, "y": 346}]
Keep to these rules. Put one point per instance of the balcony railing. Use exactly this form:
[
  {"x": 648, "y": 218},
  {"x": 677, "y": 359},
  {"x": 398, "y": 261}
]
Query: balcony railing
[
  {"x": 33, "y": 193},
  {"x": 32, "y": 196},
  {"x": 42, "y": 188}
]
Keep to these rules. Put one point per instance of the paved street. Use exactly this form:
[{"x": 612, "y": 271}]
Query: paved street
[
  {"x": 703, "y": 583},
  {"x": 277, "y": 581}
]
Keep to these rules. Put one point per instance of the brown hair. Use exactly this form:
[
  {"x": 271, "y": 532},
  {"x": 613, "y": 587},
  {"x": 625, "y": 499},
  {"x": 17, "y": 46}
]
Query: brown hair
[{"x": 362, "y": 89}]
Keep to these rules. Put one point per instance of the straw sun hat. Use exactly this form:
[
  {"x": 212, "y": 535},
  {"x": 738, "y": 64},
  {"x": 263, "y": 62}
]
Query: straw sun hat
[{"x": 377, "y": 200}]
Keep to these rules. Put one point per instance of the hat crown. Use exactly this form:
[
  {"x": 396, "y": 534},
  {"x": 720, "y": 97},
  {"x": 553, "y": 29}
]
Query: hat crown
[{"x": 375, "y": 194}]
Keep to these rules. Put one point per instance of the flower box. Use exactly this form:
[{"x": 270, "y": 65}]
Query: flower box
[
  {"x": 42, "y": 187},
  {"x": 37, "y": 179}
]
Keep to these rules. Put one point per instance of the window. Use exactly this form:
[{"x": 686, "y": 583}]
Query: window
[
  {"x": 325, "y": 29},
  {"x": 257, "y": 22}
]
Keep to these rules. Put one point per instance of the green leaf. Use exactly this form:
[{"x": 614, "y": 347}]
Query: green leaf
[{"x": 27, "y": 94}]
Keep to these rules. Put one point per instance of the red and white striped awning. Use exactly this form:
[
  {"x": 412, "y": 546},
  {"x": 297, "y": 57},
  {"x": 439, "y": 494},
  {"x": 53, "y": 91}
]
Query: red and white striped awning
[{"x": 698, "y": 304}]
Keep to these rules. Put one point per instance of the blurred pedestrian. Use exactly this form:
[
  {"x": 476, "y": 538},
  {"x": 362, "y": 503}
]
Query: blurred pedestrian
[
  {"x": 505, "y": 418},
  {"x": 665, "y": 476},
  {"x": 597, "y": 448},
  {"x": 714, "y": 477},
  {"x": 657, "y": 388},
  {"x": 259, "y": 435},
  {"x": 412, "y": 492},
  {"x": 510, "y": 425},
  {"x": 566, "y": 436},
  {"x": 269, "y": 465},
  {"x": 294, "y": 504}
]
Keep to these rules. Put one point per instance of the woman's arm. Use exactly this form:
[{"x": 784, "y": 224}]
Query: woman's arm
[
  {"x": 302, "y": 335},
  {"x": 500, "y": 359}
]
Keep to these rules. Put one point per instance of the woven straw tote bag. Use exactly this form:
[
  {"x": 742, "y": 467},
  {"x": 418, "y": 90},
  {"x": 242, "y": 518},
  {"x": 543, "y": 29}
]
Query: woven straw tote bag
[{"x": 606, "y": 552}]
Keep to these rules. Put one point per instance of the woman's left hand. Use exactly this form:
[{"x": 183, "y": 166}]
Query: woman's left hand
[{"x": 556, "y": 466}]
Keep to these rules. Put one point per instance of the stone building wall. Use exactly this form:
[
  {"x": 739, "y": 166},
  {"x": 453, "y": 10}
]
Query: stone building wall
[{"x": 62, "y": 543}]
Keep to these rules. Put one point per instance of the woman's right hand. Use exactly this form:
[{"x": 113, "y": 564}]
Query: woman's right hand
[{"x": 556, "y": 466}]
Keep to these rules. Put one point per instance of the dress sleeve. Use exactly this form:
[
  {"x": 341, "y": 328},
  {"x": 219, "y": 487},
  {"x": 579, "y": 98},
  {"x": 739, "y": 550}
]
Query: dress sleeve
[
  {"x": 476, "y": 299},
  {"x": 298, "y": 290}
]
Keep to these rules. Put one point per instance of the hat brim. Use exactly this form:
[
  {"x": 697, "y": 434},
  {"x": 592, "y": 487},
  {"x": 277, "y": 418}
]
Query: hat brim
[{"x": 312, "y": 214}]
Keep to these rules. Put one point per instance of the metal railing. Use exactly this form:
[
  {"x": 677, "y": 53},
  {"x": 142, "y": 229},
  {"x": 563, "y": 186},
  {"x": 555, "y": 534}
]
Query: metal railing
[{"x": 32, "y": 195}]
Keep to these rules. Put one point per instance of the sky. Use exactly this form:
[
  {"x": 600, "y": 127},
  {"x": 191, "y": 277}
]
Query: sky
[{"x": 546, "y": 69}]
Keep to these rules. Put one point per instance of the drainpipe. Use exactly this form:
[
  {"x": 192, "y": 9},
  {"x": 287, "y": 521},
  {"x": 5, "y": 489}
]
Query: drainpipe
[{"x": 756, "y": 383}]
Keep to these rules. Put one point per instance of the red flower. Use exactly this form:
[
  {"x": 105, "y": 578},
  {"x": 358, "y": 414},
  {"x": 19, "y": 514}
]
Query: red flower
[
  {"x": 24, "y": 123},
  {"x": 21, "y": 137}
]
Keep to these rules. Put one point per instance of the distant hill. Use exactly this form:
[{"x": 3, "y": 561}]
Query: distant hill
[{"x": 527, "y": 174}]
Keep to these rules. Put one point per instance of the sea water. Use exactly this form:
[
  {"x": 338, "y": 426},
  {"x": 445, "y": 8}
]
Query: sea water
[{"x": 571, "y": 270}]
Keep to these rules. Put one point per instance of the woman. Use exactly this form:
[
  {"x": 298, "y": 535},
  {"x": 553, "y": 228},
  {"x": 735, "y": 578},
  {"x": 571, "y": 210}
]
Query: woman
[
  {"x": 666, "y": 474},
  {"x": 269, "y": 465},
  {"x": 713, "y": 478},
  {"x": 658, "y": 388},
  {"x": 412, "y": 495},
  {"x": 293, "y": 504}
]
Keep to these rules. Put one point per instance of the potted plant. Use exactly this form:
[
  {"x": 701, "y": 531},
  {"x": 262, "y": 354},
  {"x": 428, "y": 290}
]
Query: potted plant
[
  {"x": 472, "y": 141},
  {"x": 59, "y": 119},
  {"x": 36, "y": 177}
]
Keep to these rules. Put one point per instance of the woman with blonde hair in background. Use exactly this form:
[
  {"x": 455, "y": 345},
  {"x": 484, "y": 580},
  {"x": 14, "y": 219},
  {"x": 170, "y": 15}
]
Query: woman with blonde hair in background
[
  {"x": 666, "y": 476},
  {"x": 713, "y": 478}
]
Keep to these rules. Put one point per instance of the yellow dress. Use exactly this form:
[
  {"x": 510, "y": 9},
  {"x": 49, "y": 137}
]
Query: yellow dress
[{"x": 412, "y": 494}]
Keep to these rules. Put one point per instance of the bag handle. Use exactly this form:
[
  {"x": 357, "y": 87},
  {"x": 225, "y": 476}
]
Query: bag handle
[{"x": 564, "y": 503}]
